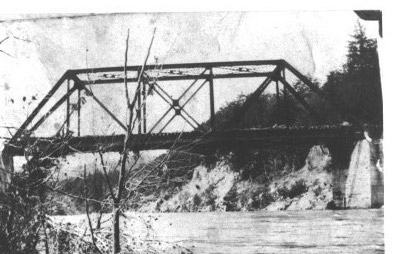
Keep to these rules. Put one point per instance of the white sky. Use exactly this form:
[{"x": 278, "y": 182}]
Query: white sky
[{"x": 313, "y": 42}]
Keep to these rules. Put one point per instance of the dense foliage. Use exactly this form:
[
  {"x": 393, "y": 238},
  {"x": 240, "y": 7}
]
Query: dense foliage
[
  {"x": 23, "y": 209},
  {"x": 354, "y": 93},
  {"x": 357, "y": 87}
]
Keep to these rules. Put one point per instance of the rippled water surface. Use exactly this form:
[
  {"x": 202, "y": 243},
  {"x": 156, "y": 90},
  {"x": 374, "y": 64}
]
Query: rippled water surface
[{"x": 344, "y": 231}]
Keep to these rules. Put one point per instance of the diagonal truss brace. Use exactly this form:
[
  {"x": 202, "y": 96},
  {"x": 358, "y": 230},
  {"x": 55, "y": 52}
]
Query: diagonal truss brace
[
  {"x": 334, "y": 107},
  {"x": 42, "y": 103},
  {"x": 175, "y": 104},
  {"x": 90, "y": 93},
  {"x": 314, "y": 114},
  {"x": 253, "y": 97},
  {"x": 53, "y": 108}
]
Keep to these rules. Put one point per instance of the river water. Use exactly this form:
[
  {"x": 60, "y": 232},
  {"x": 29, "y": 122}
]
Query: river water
[
  {"x": 342, "y": 231},
  {"x": 325, "y": 231}
]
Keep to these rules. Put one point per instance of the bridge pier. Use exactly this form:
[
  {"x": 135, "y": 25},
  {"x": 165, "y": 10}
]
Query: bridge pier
[
  {"x": 7, "y": 168},
  {"x": 357, "y": 174},
  {"x": 341, "y": 151},
  {"x": 377, "y": 174}
]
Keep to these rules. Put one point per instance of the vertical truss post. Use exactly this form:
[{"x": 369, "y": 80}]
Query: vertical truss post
[
  {"x": 211, "y": 94},
  {"x": 78, "y": 112},
  {"x": 139, "y": 108},
  {"x": 68, "y": 108},
  {"x": 144, "y": 108},
  {"x": 277, "y": 92},
  {"x": 278, "y": 106},
  {"x": 283, "y": 75}
]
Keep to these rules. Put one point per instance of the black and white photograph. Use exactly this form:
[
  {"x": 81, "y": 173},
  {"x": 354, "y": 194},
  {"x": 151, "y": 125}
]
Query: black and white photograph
[{"x": 192, "y": 132}]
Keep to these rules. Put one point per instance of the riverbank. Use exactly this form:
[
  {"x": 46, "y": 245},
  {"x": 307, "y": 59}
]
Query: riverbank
[
  {"x": 299, "y": 179},
  {"x": 286, "y": 178}
]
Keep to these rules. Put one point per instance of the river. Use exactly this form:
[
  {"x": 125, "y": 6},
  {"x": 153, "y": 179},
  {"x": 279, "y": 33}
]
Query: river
[
  {"x": 321, "y": 231},
  {"x": 342, "y": 231}
]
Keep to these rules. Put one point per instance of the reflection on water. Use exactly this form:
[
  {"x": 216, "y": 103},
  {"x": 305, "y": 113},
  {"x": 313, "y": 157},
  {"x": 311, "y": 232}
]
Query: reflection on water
[{"x": 345, "y": 231}]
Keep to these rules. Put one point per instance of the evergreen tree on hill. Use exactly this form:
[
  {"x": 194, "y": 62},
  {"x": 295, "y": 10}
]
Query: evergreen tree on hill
[{"x": 357, "y": 87}]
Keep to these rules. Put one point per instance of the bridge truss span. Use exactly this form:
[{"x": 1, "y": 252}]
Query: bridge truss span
[{"x": 149, "y": 81}]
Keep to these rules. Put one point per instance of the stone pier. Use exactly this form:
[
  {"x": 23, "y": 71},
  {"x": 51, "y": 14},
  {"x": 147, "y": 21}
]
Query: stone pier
[{"x": 361, "y": 183}]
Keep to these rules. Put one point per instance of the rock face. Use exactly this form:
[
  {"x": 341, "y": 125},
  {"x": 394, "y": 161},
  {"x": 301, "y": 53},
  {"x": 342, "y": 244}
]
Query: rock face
[
  {"x": 308, "y": 188},
  {"x": 205, "y": 191},
  {"x": 222, "y": 189},
  {"x": 225, "y": 187}
]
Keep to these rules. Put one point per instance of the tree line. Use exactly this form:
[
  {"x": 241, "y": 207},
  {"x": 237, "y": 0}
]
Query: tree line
[{"x": 354, "y": 89}]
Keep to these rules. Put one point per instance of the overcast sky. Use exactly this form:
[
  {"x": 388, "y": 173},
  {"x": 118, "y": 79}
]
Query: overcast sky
[{"x": 43, "y": 49}]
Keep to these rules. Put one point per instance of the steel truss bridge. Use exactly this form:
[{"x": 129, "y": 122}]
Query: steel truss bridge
[{"x": 198, "y": 75}]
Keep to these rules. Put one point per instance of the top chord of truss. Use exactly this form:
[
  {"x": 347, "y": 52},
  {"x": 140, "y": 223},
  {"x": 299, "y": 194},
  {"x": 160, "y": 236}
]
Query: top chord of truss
[{"x": 168, "y": 72}]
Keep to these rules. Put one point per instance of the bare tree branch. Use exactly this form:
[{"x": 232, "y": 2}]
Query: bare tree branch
[
  {"x": 2, "y": 51},
  {"x": 106, "y": 175},
  {"x": 87, "y": 209},
  {"x": 3, "y": 40}
]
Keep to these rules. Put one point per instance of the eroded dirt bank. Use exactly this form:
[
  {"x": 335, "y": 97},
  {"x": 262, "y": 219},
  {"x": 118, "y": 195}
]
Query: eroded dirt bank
[
  {"x": 276, "y": 181},
  {"x": 286, "y": 178},
  {"x": 224, "y": 187}
]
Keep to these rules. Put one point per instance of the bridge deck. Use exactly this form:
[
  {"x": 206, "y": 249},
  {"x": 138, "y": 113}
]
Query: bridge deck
[{"x": 191, "y": 140}]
